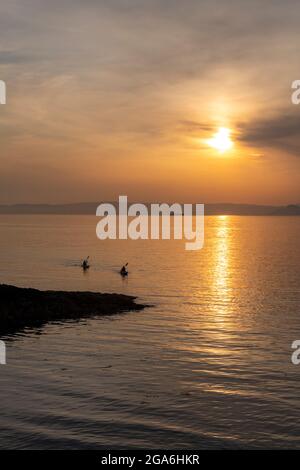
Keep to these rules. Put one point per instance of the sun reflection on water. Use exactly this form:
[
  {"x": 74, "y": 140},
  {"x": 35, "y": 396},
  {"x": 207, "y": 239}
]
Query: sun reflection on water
[{"x": 221, "y": 263}]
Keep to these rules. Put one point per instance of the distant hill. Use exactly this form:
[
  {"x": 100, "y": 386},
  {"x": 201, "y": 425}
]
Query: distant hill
[
  {"x": 239, "y": 209},
  {"x": 292, "y": 209},
  {"x": 90, "y": 208},
  {"x": 76, "y": 208}
]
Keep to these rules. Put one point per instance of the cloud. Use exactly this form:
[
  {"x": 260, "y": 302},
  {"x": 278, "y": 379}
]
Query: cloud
[
  {"x": 13, "y": 57},
  {"x": 280, "y": 131},
  {"x": 189, "y": 126}
]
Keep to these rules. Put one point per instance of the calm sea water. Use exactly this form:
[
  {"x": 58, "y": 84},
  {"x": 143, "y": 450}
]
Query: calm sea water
[{"x": 208, "y": 366}]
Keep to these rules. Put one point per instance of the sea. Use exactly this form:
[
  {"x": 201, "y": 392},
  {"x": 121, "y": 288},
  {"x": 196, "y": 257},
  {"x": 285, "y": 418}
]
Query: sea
[{"x": 207, "y": 365}]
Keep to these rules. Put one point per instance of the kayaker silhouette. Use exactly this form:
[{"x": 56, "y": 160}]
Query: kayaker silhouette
[
  {"x": 123, "y": 270},
  {"x": 85, "y": 263}
]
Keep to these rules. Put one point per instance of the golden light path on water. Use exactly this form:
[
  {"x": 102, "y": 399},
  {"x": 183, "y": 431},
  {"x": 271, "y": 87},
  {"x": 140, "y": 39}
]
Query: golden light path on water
[{"x": 222, "y": 266}]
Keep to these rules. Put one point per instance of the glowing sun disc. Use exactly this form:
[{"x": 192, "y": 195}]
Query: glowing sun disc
[{"x": 221, "y": 140}]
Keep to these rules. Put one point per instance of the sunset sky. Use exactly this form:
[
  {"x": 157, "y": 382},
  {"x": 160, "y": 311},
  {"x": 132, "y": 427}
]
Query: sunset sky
[{"x": 125, "y": 96}]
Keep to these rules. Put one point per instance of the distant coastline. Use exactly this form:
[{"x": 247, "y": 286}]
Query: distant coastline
[{"x": 89, "y": 208}]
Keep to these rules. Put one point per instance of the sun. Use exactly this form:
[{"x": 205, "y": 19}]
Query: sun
[{"x": 221, "y": 140}]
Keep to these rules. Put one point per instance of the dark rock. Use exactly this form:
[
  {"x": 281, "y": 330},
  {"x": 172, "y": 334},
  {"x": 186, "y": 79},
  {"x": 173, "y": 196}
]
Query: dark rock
[{"x": 23, "y": 307}]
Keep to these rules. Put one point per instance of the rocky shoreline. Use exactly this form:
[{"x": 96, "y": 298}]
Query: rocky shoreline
[{"x": 25, "y": 307}]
